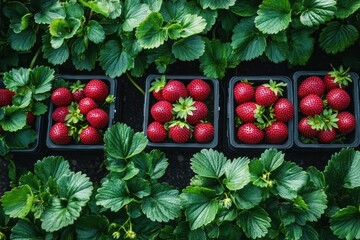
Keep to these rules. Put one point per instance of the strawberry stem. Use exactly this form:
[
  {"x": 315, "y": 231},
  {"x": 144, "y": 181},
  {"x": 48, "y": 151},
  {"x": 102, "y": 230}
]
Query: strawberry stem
[
  {"x": 134, "y": 83},
  {"x": 33, "y": 60}
]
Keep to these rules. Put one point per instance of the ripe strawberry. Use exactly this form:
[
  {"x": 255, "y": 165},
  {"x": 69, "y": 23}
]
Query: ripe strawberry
[
  {"x": 311, "y": 105},
  {"x": 267, "y": 94},
  {"x": 199, "y": 113},
  {"x": 283, "y": 110},
  {"x": 311, "y": 85},
  {"x": 156, "y": 88},
  {"x": 97, "y": 118},
  {"x": 338, "y": 99},
  {"x": 244, "y": 92},
  {"x": 59, "y": 134},
  {"x": 97, "y": 90},
  {"x": 6, "y": 96},
  {"x": 249, "y": 133},
  {"x": 326, "y": 136},
  {"x": 90, "y": 135},
  {"x": 198, "y": 89},
  {"x": 305, "y": 128},
  {"x": 173, "y": 90},
  {"x": 87, "y": 104},
  {"x": 156, "y": 132},
  {"x": 346, "y": 123},
  {"x": 247, "y": 111},
  {"x": 204, "y": 132},
  {"x": 277, "y": 132},
  {"x": 60, "y": 113},
  {"x": 179, "y": 132},
  {"x": 77, "y": 90},
  {"x": 61, "y": 96},
  {"x": 162, "y": 111},
  {"x": 30, "y": 118},
  {"x": 337, "y": 78}
]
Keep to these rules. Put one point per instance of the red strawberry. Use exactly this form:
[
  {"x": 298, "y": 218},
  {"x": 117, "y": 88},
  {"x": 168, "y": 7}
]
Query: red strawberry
[
  {"x": 337, "y": 78},
  {"x": 311, "y": 85},
  {"x": 87, "y": 104},
  {"x": 326, "y": 136},
  {"x": 249, "y": 133},
  {"x": 199, "y": 113},
  {"x": 6, "y": 96},
  {"x": 311, "y": 105},
  {"x": 156, "y": 132},
  {"x": 173, "y": 90},
  {"x": 277, "y": 132},
  {"x": 338, "y": 99},
  {"x": 162, "y": 111},
  {"x": 267, "y": 94},
  {"x": 97, "y": 118},
  {"x": 305, "y": 128},
  {"x": 97, "y": 90},
  {"x": 90, "y": 135},
  {"x": 283, "y": 110},
  {"x": 61, "y": 96},
  {"x": 247, "y": 111},
  {"x": 60, "y": 113},
  {"x": 346, "y": 123},
  {"x": 204, "y": 132},
  {"x": 179, "y": 132},
  {"x": 59, "y": 134},
  {"x": 30, "y": 118},
  {"x": 198, "y": 89},
  {"x": 77, "y": 90},
  {"x": 244, "y": 92},
  {"x": 156, "y": 88}
]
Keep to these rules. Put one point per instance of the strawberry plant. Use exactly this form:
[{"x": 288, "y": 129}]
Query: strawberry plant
[
  {"x": 181, "y": 110},
  {"x": 328, "y": 110}
]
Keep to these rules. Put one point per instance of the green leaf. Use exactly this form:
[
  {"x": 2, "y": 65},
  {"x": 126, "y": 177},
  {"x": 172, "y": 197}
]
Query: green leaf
[
  {"x": 24, "y": 230},
  {"x": 173, "y": 11},
  {"x": 163, "y": 204},
  {"x": 247, "y": 197},
  {"x": 237, "y": 173},
  {"x": 207, "y": 14},
  {"x": 277, "y": 50},
  {"x": 113, "y": 195},
  {"x": 209, "y": 163},
  {"x": 64, "y": 28},
  {"x": 316, "y": 12},
  {"x": 272, "y": 159},
  {"x": 107, "y": 8},
  {"x": 245, "y": 8},
  {"x": 217, "y": 4},
  {"x": 316, "y": 177},
  {"x": 18, "y": 15},
  {"x": 75, "y": 190},
  {"x": 345, "y": 8},
  {"x": 22, "y": 41},
  {"x": 114, "y": 60},
  {"x": 4, "y": 148},
  {"x": 150, "y": 32},
  {"x": 130, "y": 172},
  {"x": 336, "y": 37},
  {"x": 188, "y": 49},
  {"x": 86, "y": 60},
  {"x": 95, "y": 32},
  {"x": 50, "y": 10},
  {"x": 139, "y": 187},
  {"x": 191, "y": 24},
  {"x": 91, "y": 227},
  {"x": 134, "y": 14},
  {"x": 39, "y": 108},
  {"x": 74, "y": 9},
  {"x": 16, "y": 78},
  {"x": 302, "y": 45},
  {"x": 18, "y": 202},
  {"x": 21, "y": 139},
  {"x": 55, "y": 56},
  {"x": 273, "y": 16},
  {"x": 14, "y": 121},
  {"x": 254, "y": 222},
  {"x": 316, "y": 202},
  {"x": 42, "y": 79},
  {"x": 200, "y": 206},
  {"x": 31, "y": 180},
  {"x": 122, "y": 142},
  {"x": 153, "y": 164},
  {"x": 247, "y": 42},
  {"x": 22, "y": 101},
  {"x": 346, "y": 223},
  {"x": 51, "y": 167}
]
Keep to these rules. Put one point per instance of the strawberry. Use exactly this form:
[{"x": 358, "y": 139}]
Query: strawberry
[
  {"x": 277, "y": 132},
  {"x": 61, "y": 96},
  {"x": 87, "y": 104},
  {"x": 77, "y": 90},
  {"x": 311, "y": 105},
  {"x": 179, "y": 132},
  {"x": 156, "y": 88},
  {"x": 337, "y": 78},
  {"x": 199, "y": 113},
  {"x": 60, "y": 113},
  {"x": 90, "y": 135},
  {"x": 249, "y": 133},
  {"x": 97, "y": 90},
  {"x": 283, "y": 110},
  {"x": 248, "y": 111},
  {"x": 59, "y": 134},
  {"x": 311, "y": 85},
  {"x": 267, "y": 94},
  {"x": 97, "y": 118},
  {"x": 338, "y": 99},
  {"x": 244, "y": 92},
  {"x": 30, "y": 118},
  {"x": 305, "y": 128},
  {"x": 156, "y": 132},
  {"x": 162, "y": 111},
  {"x": 190, "y": 110},
  {"x": 198, "y": 89},
  {"x": 204, "y": 132},
  {"x": 326, "y": 136},
  {"x": 346, "y": 122},
  {"x": 173, "y": 90},
  {"x": 6, "y": 96}
]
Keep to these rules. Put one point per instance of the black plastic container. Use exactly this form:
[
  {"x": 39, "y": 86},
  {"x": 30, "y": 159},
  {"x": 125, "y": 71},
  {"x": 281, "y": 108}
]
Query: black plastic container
[
  {"x": 352, "y": 139},
  {"x": 112, "y": 111},
  {"x": 214, "y": 110},
  {"x": 233, "y": 143}
]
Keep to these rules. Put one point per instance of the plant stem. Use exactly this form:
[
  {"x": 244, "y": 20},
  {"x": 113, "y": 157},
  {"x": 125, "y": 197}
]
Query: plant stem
[
  {"x": 134, "y": 83},
  {"x": 34, "y": 58}
]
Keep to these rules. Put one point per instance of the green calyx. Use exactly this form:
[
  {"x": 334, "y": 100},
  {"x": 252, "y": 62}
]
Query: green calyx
[
  {"x": 158, "y": 84},
  {"x": 326, "y": 120},
  {"x": 77, "y": 86},
  {"x": 341, "y": 76},
  {"x": 74, "y": 116},
  {"x": 177, "y": 123},
  {"x": 264, "y": 116},
  {"x": 184, "y": 107},
  {"x": 316, "y": 122},
  {"x": 276, "y": 87}
]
